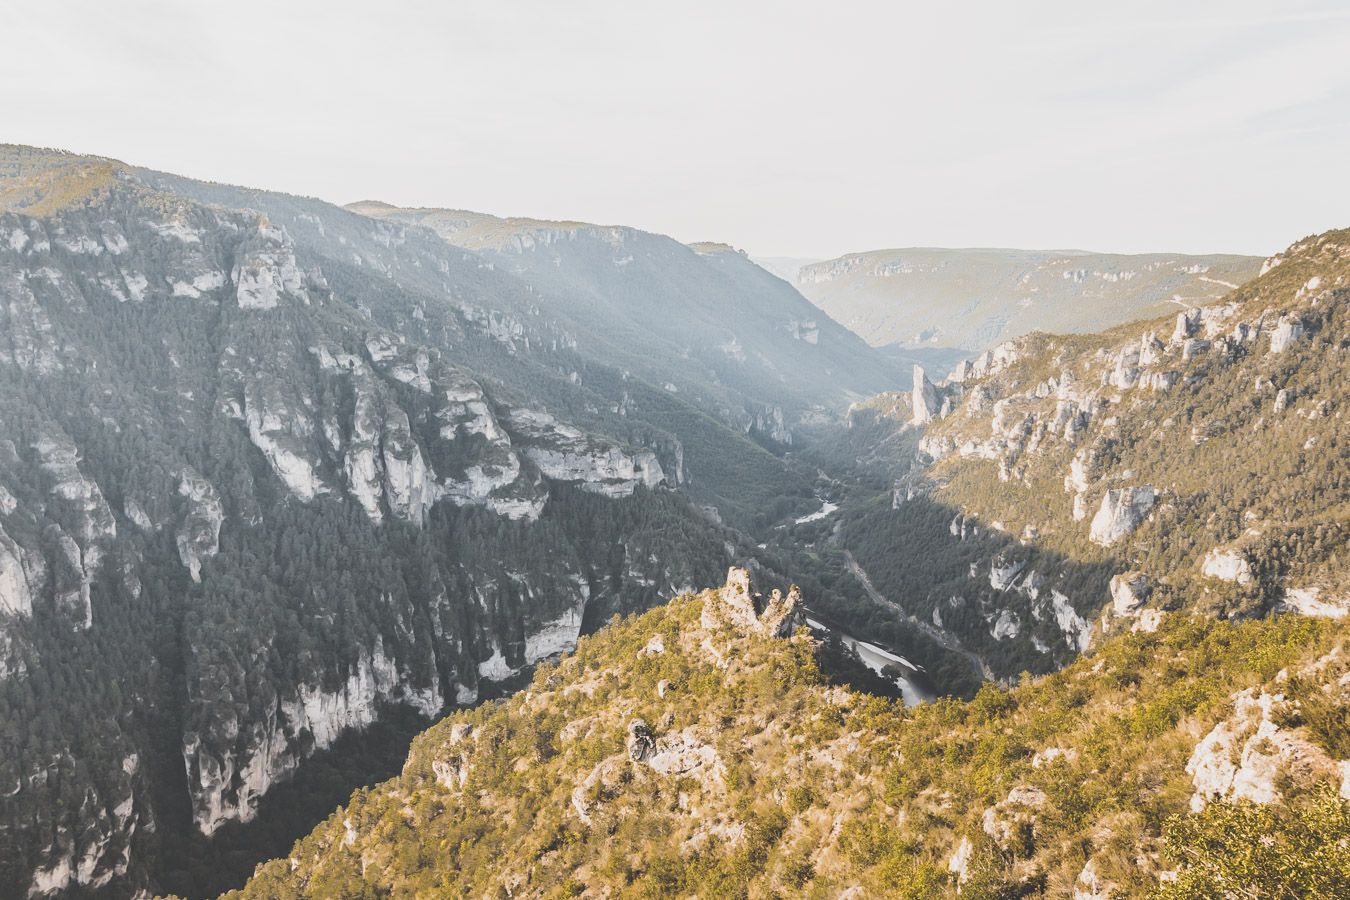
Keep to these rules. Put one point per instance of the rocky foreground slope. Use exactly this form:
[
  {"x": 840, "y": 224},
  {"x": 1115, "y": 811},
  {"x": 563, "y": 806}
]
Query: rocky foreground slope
[
  {"x": 974, "y": 299},
  {"x": 700, "y": 750}
]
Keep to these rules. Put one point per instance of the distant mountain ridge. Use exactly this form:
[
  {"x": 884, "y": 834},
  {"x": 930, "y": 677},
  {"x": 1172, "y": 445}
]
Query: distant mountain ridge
[
  {"x": 973, "y": 299},
  {"x": 704, "y": 312}
]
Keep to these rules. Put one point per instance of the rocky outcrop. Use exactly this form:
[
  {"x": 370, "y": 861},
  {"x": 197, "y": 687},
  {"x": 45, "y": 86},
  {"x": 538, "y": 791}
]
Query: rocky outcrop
[
  {"x": 266, "y": 270},
  {"x": 281, "y": 427},
  {"x": 1121, "y": 512},
  {"x": 86, "y": 525},
  {"x": 1246, "y": 755},
  {"x": 564, "y": 453},
  {"x": 1089, "y": 885},
  {"x": 959, "y": 862},
  {"x": 1007, "y": 626},
  {"x": 199, "y": 536},
  {"x": 452, "y": 770},
  {"x": 1129, "y": 592},
  {"x": 1311, "y": 601},
  {"x": 1287, "y": 332},
  {"x": 557, "y": 636},
  {"x": 641, "y": 741},
  {"x": 683, "y": 754},
  {"x": 235, "y": 762},
  {"x": 925, "y": 398},
  {"x": 735, "y": 605},
  {"x": 1011, "y": 823},
  {"x": 90, "y": 859},
  {"x": 1077, "y": 630},
  {"x": 388, "y": 464},
  {"x": 1003, "y": 572}
]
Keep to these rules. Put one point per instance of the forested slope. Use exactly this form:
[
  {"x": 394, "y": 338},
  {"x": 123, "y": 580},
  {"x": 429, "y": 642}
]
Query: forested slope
[{"x": 265, "y": 476}]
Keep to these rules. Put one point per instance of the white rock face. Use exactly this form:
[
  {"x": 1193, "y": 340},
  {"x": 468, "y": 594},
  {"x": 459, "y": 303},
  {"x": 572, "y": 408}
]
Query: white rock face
[
  {"x": 362, "y": 464},
  {"x": 93, "y": 518},
  {"x": 1091, "y": 886},
  {"x": 495, "y": 667},
  {"x": 926, "y": 403},
  {"x": 202, "y": 283},
  {"x": 1149, "y": 621},
  {"x": 281, "y": 433},
  {"x": 1084, "y": 469},
  {"x": 408, "y": 482},
  {"x": 228, "y": 787},
  {"x": 1121, "y": 512},
  {"x": 87, "y": 860},
  {"x": 1287, "y": 332},
  {"x": 1309, "y": 602},
  {"x": 1227, "y": 565},
  {"x": 737, "y": 606},
  {"x": 266, "y": 270},
  {"x": 558, "y": 636},
  {"x": 16, "y": 598},
  {"x": 58, "y": 876},
  {"x": 564, "y": 453},
  {"x": 137, "y": 514},
  {"x": 1053, "y": 754},
  {"x": 1160, "y": 381},
  {"x": 1245, "y": 755},
  {"x": 490, "y": 486},
  {"x": 199, "y": 537},
  {"x": 684, "y": 754},
  {"x": 1187, "y": 322},
  {"x": 1077, "y": 630},
  {"x": 453, "y": 771},
  {"x": 959, "y": 864}
]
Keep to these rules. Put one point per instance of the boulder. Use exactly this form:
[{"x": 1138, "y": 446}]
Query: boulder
[{"x": 641, "y": 741}]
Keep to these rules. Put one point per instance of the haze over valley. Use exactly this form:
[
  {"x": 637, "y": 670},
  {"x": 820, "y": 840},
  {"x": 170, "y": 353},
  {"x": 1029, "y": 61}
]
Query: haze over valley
[{"x": 550, "y": 523}]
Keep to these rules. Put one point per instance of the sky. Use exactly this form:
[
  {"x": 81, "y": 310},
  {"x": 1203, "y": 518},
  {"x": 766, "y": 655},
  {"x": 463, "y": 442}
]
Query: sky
[{"x": 784, "y": 128}]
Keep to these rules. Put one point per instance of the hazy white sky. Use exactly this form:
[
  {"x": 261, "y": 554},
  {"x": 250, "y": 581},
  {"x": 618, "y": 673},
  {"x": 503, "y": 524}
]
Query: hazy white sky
[{"x": 786, "y": 128}]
